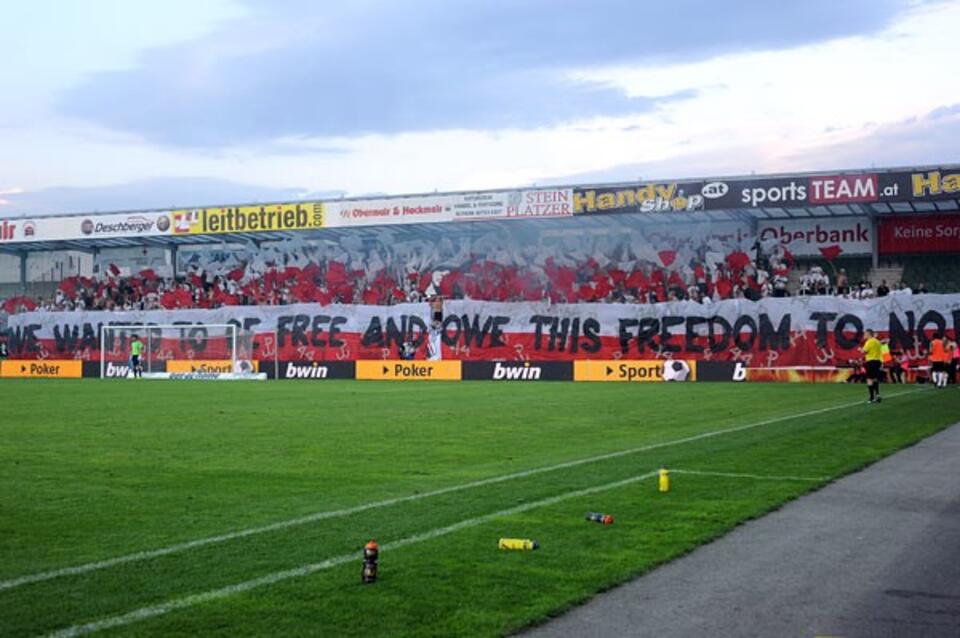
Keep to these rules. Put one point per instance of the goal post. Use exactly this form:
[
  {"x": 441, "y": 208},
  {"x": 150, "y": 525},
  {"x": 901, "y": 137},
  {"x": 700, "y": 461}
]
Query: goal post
[{"x": 180, "y": 351}]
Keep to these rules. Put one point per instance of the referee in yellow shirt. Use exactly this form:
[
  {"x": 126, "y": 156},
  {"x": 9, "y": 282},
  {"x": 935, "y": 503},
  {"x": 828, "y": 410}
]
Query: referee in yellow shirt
[{"x": 873, "y": 355}]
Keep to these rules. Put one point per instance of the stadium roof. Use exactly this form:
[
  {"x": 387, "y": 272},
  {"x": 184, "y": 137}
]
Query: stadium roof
[{"x": 866, "y": 192}]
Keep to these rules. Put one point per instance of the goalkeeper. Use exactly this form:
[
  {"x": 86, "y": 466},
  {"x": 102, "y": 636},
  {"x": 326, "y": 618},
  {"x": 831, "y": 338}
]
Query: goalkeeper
[{"x": 136, "y": 352}]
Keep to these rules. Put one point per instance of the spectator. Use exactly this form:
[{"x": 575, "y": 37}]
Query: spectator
[
  {"x": 896, "y": 368},
  {"x": 806, "y": 284},
  {"x": 901, "y": 289},
  {"x": 859, "y": 373},
  {"x": 843, "y": 285},
  {"x": 814, "y": 282},
  {"x": 780, "y": 286},
  {"x": 955, "y": 361},
  {"x": 882, "y": 289}
]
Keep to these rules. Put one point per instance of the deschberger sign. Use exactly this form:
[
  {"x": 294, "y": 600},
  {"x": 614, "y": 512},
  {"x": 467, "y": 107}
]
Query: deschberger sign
[
  {"x": 139, "y": 224},
  {"x": 30, "y": 229}
]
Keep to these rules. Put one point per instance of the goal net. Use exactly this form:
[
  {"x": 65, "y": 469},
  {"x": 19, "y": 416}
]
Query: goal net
[{"x": 209, "y": 351}]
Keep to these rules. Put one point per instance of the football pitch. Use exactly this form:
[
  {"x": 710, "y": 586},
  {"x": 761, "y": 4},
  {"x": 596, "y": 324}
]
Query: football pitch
[{"x": 192, "y": 508}]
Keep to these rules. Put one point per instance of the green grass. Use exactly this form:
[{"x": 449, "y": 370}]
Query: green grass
[{"x": 91, "y": 470}]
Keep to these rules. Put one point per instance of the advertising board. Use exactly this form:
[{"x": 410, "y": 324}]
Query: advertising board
[
  {"x": 518, "y": 371},
  {"x": 106, "y": 226},
  {"x": 926, "y": 234},
  {"x": 478, "y": 206},
  {"x": 396, "y": 370},
  {"x": 624, "y": 370},
  {"x": 249, "y": 219},
  {"x": 808, "y": 237},
  {"x": 42, "y": 369}
]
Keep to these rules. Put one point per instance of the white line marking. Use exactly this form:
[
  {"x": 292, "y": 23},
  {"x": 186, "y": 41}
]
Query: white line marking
[
  {"x": 759, "y": 477},
  {"x": 319, "y": 516},
  {"x": 215, "y": 594}
]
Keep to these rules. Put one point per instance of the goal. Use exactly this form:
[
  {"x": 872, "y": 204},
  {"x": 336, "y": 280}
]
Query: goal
[{"x": 180, "y": 351}]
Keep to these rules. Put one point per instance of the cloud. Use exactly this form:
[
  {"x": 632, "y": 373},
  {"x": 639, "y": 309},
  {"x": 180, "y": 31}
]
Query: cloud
[
  {"x": 287, "y": 69},
  {"x": 148, "y": 194},
  {"x": 932, "y": 139},
  {"x": 731, "y": 161}
]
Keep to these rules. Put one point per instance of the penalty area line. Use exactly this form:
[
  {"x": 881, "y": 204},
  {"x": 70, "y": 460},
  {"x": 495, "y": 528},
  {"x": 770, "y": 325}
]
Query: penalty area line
[
  {"x": 319, "y": 516},
  {"x": 192, "y": 600}
]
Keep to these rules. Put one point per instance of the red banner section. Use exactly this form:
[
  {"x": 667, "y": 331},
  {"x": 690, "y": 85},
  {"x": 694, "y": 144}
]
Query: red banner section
[{"x": 928, "y": 234}]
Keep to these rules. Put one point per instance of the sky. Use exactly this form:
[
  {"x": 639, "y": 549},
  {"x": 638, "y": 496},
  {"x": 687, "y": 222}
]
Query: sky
[{"x": 111, "y": 104}]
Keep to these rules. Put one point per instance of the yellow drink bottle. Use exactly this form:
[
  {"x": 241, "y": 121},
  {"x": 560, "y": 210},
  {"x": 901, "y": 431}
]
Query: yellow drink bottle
[
  {"x": 664, "y": 479},
  {"x": 522, "y": 544}
]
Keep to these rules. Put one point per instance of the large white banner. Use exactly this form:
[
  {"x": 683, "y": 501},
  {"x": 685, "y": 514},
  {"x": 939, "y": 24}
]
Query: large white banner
[
  {"x": 518, "y": 317},
  {"x": 782, "y": 331},
  {"x": 813, "y": 236}
]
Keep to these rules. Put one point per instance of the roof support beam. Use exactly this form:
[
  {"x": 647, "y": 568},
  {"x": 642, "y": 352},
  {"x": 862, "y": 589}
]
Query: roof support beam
[{"x": 23, "y": 271}]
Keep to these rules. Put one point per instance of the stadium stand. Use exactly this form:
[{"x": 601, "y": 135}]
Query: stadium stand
[
  {"x": 491, "y": 267},
  {"x": 709, "y": 240},
  {"x": 938, "y": 273},
  {"x": 635, "y": 268},
  {"x": 855, "y": 270}
]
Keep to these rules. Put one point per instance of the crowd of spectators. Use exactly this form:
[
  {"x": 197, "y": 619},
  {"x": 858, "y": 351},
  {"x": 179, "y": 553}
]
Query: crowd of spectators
[
  {"x": 631, "y": 268},
  {"x": 816, "y": 282}
]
